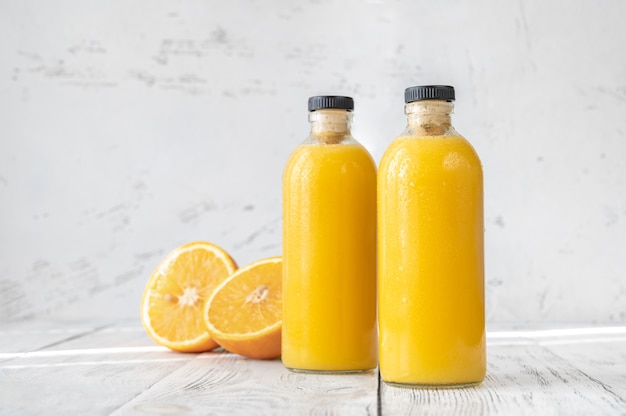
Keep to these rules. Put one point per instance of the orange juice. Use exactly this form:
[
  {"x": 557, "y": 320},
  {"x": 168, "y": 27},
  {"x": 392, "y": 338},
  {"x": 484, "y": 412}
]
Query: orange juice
[
  {"x": 329, "y": 257},
  {"x": 431, "y": 284}
]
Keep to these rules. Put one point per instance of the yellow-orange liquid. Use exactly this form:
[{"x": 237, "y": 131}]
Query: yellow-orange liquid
[
  {"x": 431, "y": 272},
  {"x": 329, "y": 259}
]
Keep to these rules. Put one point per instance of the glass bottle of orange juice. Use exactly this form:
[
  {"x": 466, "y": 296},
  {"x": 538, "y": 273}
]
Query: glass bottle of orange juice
[
  {"x": 329, "y": 247},
  {"x": 430, "y": 250}
]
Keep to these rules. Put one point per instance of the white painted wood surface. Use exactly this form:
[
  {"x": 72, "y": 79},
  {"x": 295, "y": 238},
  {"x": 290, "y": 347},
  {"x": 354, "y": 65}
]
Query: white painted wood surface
[{"x": 100, "y": 368}]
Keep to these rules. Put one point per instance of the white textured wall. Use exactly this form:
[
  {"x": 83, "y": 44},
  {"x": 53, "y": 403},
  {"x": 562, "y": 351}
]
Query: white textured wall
[{"x": 130, "y": 127}]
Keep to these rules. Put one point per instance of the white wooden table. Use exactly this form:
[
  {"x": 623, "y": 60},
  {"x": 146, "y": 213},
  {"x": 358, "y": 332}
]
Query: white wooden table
[{"x": 50, "y": 368}]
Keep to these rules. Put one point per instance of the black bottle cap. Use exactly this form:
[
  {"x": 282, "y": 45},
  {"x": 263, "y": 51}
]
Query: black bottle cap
[
  {"x": 429, "y": 92},
  {"x": 331, "y": 101}
]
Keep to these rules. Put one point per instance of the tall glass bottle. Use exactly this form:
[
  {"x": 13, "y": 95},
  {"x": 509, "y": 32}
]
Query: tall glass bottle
[
  {"x": 329, "y": 246},
  {"x": 430, "y": 250}
]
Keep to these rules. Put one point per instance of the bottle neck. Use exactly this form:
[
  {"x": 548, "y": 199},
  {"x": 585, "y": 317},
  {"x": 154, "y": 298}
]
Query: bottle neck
[
  {"x": 429, "y": 117},
  {"x": 331, "y": 125}
]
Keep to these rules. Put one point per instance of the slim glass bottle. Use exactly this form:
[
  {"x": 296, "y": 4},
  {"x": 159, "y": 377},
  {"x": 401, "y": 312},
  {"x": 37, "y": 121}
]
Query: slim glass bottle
[
  {"x": 430, "y": 264},
  {"x": 329, "y": 246}
]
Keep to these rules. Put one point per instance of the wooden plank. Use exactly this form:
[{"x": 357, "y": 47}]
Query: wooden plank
[
  {"x": 522, "y": 378},
  {"x": 23, "y": 338},
  {"x": 230, "y": 384},
  {"x": 31, "y": 335},
  {"x": 118, "y": 369},
  {"x": 97, "y": 386},
  {"x": 90, "y": 372},
  {"x": 600, "y": 354}
]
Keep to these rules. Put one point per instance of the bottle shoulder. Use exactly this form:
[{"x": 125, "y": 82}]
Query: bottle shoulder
[
  {"x": 310, "y": 157},
  {"x": 430, "y": 150}
]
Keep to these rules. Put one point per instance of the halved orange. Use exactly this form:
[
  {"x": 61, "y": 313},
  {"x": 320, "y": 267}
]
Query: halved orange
[
  {"x": 174, "y": 297},
  {"x": 244, "y": 313}
]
